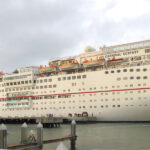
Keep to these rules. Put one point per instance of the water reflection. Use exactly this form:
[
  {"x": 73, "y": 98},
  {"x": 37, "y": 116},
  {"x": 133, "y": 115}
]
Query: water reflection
[{"x": 123, "y": 136}]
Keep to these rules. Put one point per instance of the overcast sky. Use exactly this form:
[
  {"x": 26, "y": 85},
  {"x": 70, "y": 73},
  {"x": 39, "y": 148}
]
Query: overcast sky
[{"x": 34, "y": 31}]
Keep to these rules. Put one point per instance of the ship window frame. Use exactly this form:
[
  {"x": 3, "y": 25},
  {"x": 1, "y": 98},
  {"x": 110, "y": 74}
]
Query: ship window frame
[
  {"x": 59, "y": 79},
  {"x": 138, "y": 77},
  {"x": 131, "y": 70},
  {"x": 112, "y": 71},
  {"x": 144, "y": 69},
  {"x": 106, "y": 72},
  {"x": 69, "y": 78},
  {"x": 145, "y": 77},
  {"x": 124, "y": 70},
  {"x": 64, "y": 78},
  {"x": 50, "y": 80},
  {"x": 119, "y": 79},
  {"x": 131, "y": 78},
  {"x": 147, "y": 50},
  {"x": 79, "y": 77},
  {"x": 118, "y": 71},
  {"x": 73, "y": 77},
  {"x": 125, "y": 78},
  {"x": 84, "y": 76},
  {"x": 54, "y": 86}
]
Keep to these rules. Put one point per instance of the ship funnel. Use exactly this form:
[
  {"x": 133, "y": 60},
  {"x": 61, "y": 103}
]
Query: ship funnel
[{"x": 89, "y": 49}]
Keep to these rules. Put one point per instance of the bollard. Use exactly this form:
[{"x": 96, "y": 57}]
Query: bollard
[
  {"x": 73, "y": 134},
  {"x": 24, "y": 135},
  {"x": 3, "y": 137},
  {"x": 40, "y": 135}
]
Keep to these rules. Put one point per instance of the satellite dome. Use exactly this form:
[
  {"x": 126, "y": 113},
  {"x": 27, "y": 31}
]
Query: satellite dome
[{"x": 89, "y": 49}]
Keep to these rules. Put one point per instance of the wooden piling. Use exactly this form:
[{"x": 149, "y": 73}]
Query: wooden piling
[
  {"x": 73, "y": 135},
  {"x": 3, "y": 137},
  {"x": 40, "y": 135},
  {"x": 24, "y": 135},
  {"x": 38, "y": 143}
]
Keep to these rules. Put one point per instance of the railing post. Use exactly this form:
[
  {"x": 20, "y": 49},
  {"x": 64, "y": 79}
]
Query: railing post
[
  {"x": 3, "y": 137},
  {"x": 24, "y": 136},
  {"x": 73, "y": 135},
  {"x": 40, "y": 135}
]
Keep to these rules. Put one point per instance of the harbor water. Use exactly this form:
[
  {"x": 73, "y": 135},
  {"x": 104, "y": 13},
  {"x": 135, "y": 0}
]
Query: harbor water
[{"x": 100, "y": 136}]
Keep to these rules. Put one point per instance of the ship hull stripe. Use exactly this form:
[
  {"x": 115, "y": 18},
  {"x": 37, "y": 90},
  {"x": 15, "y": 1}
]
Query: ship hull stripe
[{"x": 89, "y": 92}]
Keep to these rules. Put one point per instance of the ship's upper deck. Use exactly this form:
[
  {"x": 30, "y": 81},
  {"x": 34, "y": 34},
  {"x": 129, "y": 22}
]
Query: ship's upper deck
[{"x": 105, "y": 57}]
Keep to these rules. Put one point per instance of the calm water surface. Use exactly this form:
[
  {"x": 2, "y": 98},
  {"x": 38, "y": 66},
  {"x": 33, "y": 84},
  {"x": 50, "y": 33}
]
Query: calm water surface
[{"x": 110, "y": 136}]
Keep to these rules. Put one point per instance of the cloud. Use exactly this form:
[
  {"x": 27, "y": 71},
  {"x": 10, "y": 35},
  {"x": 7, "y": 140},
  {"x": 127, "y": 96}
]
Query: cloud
[{"x": 34, "y": 31}]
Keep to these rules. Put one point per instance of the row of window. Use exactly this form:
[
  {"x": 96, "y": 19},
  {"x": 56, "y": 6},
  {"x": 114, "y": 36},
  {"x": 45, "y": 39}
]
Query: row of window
[
  {"x": 28, "y": 82},
  {"x": 131, "y": 78},
  {"x": 72, "y": 77},
  {"x": 29, "y": 88},
  {"x": 81, "y": 101},
  {"x": 45, "y": 80},
  {"x": 90, "y": 94},
  {"x": 69, "y": 96},
  {"x": 126, "y": 70},
  {"x": 73, "y": 107}
]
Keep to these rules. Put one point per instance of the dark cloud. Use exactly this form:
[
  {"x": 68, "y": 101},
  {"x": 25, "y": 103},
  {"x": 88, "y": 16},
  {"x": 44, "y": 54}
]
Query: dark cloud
[{"x": 34, "y": 31}]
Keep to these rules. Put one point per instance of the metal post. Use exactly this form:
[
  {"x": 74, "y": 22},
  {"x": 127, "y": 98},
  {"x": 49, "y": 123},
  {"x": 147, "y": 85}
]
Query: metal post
[
  {"x": 24, "y": 136},
  {"x": 3, "y": 137},
  {"x": 73, "y": 134},
  {"x": 40, "y": 135}
]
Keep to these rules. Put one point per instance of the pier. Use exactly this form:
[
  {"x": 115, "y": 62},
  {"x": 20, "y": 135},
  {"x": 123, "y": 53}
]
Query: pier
[
  {"x": 48, "y": 122},
  {"x": 28, "y": 142},
  {"x": 81, "y": 119}
]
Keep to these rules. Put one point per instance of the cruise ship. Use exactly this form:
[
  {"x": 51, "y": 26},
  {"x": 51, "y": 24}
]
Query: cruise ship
[{"x": 111, "y": 84}]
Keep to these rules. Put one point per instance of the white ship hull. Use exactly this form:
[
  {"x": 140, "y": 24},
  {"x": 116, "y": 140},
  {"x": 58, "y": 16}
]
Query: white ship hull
[
  {"x": 96, "y": 97},
  {"x": 109, "y": 94}
]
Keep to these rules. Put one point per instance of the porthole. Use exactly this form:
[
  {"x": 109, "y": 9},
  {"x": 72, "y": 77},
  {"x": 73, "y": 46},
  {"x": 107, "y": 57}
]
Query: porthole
[
  {"x": 131, "y": 77},
  {"x": 145, "y": 77},
  {"x": 125, "y": 78},
  {"x": 131, "y": 70},
  {"x": 118, "y": 79},
  {"x": 106, "y": 72},
  {"x": 124, "y": 70}
]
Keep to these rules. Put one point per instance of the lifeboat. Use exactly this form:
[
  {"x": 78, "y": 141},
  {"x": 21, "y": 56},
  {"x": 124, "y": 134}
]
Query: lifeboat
[
  {"x": 117, "y": 61},
  {"x": 50, "y": 68},
  {"x": 68, "y": 66},
  {"x": 91, "y": 63},
  {"x": 1, "y": 73},
  {"x": 114, "y": 60}
]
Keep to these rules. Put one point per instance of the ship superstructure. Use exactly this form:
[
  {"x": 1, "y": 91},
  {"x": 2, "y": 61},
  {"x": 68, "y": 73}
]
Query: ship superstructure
[{"x": 111, "y": 84}]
